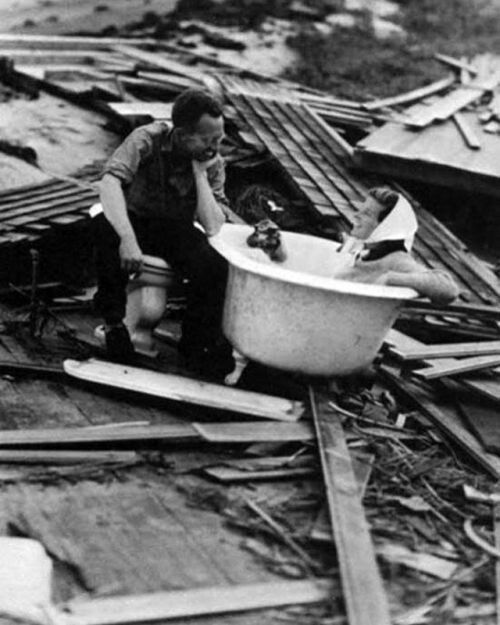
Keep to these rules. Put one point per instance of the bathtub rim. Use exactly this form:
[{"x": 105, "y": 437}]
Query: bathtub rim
[{"x": 275, "y": 272}]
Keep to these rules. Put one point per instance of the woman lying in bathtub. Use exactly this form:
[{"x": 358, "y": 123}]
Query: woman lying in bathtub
[{"x": 381, "y": 240}]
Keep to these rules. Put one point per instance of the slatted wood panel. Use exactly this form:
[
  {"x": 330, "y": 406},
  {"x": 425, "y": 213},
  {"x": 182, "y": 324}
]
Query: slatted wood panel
[
  {"x": 343, "y": 112},
  {"x": 318, "y": 164},
  {"x": 29, "y": 212}
]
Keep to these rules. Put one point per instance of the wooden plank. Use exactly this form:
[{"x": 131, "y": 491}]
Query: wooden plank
[
  {"x": 248, "y": 432},
  {"x": 364, "y": 595},
  {"x": 35, "y": 205},
  {"x": 470, "y": 137},
  {"x": 61, "y": 208},
  {"x": 463, "y": 365},
  {"x": 362, "y": 465},
  {"x": 37, "y": 456},
  {"x": 447, "y": 350},
  {"x": 453, "y": 102},
  {"x": 261, "y": 469},
  {"x": 26, "y": 191},
  {"x": 227, "y": 475},
  {"x": 456, "y": 63},
  {"x": 182, "y": 389},
  {"x": 157, "y": 60},
  {"x": 155, "y": 110},
  {"x": 411, "y": 96},
  {"x": 61, "y": 42},
  {"x": 48, "y": 56},
  {"x": 196, "y": 602},
  {"x": 446, "y": 420},
  {"x": 487, "y": 386},
  {"x": 86, "y": 435}
]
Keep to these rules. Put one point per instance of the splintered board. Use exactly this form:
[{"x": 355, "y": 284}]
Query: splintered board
[{"x": 179, "y": 388}]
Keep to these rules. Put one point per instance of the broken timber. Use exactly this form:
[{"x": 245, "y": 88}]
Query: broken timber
[
  {"x": 180, "y": 388},
  {"x": 456, "y": 367},
  {"x": 364, "y": 595},
  {"x": 489, "y": 386},
  {"x": 195, "y": 602},
  {"x": 446, "y": 350}
]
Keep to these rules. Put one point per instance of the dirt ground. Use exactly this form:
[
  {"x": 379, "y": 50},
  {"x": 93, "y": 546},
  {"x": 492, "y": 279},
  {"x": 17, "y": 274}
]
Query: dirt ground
[{"x": 55, "y": 17}]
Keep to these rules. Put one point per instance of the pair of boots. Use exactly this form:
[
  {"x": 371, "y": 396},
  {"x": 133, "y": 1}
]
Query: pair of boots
[{"x": 213, "y": 361}]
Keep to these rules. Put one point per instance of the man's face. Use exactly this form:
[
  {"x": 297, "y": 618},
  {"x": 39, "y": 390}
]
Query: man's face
[
  {"x": 202, "y": 142},
  {"x": 366, "y": 218}
]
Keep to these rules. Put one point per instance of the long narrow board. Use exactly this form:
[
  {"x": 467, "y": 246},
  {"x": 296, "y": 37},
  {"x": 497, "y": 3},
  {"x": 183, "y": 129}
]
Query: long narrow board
[
  {"x": 196, "y": 602},
  {"x": 447, "y": 350},
  {"x": 462, "y": 365},
  {"x": 179, "y": 388},
  {"x": 253, "y": 432},
  {"x": 364, "y": 595}
]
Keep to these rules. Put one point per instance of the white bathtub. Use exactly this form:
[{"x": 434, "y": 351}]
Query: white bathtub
[{"x": 294, "y": 315}]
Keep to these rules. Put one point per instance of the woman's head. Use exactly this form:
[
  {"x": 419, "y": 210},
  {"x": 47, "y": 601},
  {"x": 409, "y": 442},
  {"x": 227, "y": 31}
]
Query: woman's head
[{"x": 375, "y": 208}]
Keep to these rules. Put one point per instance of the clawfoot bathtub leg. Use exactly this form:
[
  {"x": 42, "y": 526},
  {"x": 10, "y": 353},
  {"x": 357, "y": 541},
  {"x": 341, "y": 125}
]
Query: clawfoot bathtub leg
[{"x": 240, "y": 362}]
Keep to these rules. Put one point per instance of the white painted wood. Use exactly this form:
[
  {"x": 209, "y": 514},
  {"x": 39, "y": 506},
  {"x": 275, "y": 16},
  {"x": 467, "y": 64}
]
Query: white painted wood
[
  {"x": 179, "y": 388},
  {"x": 196, "y": 602},
  {"x": 254, "y": 432}
]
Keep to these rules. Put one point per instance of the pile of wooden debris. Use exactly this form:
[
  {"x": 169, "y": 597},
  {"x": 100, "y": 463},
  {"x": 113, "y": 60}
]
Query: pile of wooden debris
[{"x": 286, "y": 500}]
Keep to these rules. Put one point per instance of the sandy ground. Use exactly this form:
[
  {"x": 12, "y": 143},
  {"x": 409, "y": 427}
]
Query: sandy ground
[
  {"x": 66, "y": 137},
  {"x": 52, "y": 17}
]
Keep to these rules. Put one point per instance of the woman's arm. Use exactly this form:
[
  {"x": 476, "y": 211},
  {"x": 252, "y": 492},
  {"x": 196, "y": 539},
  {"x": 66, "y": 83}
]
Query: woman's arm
[{"x": 435, "y": 284}]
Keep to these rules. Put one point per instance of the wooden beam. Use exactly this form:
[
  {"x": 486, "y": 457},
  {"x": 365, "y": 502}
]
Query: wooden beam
[
  {"x": 38, "y": 456},
  {"x": 251, "y": 432},
  {"x": 487, "y": 386},
  {"x": 183, "y": 389},
  {"x": 446, "y": 350},
  {"x": 470, "y": 137},
  {"x": 156, "y": 59},
  {"x": 364, "y": 595},
  {"x": 463, "y": 365},
  {"x": 195, "y": 602},
  {"x": 455, "y": 63},
  {"x": 411, "y": 96},
  {"x": 454, "y": 101},
  {"x": 42, "y": 42},
  {"x": 86, "y": 435}
]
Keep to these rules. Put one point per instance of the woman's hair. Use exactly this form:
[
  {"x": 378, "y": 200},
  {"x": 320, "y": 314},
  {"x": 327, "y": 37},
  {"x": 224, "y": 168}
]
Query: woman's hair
[
  {"x": 386, "y": 197},
  {"x": 192, "y": 104}
]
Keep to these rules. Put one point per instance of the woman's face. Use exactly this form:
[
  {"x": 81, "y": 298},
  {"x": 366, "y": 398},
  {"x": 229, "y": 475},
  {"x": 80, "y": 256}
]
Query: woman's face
[{"x": 366, "y": 219}]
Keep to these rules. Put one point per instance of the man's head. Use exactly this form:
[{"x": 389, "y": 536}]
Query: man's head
[
  {"x": 378, "y": 204},
  {"x": 197, "y": 118}
]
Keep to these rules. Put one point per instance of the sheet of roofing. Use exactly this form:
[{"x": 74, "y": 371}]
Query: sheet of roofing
[
  {"x": 30, "y": 211},
  {"x": 435, "y": 154}
]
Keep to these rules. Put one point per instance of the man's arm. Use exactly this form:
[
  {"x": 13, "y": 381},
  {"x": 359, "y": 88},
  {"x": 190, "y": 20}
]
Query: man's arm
[
  {"x": 115, "y": 211},
  {"x": 208, "y": 210}
]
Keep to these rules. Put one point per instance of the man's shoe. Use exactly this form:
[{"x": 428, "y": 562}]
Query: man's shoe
[
  {"x": 213, "y": 362},
  {"x": 119, "y": 347}
]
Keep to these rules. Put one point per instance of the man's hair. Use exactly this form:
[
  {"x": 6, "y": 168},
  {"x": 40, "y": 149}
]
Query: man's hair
[
  {"x": 192, "y": 104},
  {"x": 386, "y": 197}
]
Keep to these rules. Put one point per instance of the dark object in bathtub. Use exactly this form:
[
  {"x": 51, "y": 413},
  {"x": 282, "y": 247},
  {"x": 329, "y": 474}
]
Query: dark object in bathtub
[{"x": 267, "y": 237}]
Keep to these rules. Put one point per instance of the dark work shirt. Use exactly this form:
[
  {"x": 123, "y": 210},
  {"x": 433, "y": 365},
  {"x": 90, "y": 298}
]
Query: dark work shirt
[{"x": 157, "y": 180}]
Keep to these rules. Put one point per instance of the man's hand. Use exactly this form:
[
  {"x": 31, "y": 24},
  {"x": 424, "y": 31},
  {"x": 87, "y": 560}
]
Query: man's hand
[
  {"x": 200, "y": 167},
  {"x": 130, "y": 255}
]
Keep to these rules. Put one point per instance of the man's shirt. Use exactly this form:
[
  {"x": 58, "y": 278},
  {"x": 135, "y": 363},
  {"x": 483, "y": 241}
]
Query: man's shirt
[{"x": 157, "y": 181}]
